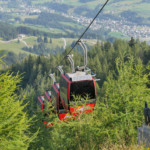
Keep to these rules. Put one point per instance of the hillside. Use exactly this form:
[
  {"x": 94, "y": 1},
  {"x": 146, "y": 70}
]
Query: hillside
[
  {"x": 120, "y": 18},
  {"x": 88, "y": 7},
  {"x": 20, "y": 41},
  {"x": 121, "y": 94},
  {"x": 17, "y": 45},
  {"x": 36, "y": 37},
  {"x": 63, "y": 21}
]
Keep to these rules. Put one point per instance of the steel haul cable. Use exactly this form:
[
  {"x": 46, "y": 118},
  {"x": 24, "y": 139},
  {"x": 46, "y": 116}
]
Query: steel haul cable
[{"x": 85, "y": 30}]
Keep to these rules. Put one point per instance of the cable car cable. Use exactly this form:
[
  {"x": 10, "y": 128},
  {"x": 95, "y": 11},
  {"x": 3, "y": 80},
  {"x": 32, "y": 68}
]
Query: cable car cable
[
  {"x": 92, "y": 91},
  {"x": 85, "y": 30}
]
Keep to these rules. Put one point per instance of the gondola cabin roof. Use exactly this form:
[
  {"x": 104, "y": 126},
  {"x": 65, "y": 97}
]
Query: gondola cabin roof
[
  {"x": 41, "y": 102},
  {"x": 41, "y": 99},
  {"x": 48, "y": 93},
  {"x": 78, "y": 76},
  {"x": 57, "y": 86}
]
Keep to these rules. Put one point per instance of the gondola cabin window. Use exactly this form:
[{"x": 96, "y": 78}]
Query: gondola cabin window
[
  {"x": 64, "y": 90},
  {"x": 82, "y": 89},
  {"x": 54, "y": 99}
]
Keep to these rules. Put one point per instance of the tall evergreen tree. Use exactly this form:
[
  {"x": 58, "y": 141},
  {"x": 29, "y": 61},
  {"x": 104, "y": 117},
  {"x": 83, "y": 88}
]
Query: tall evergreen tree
[
  {"x": 14, "y": 122},
  {"x": 45, "y": 39},
  {"x": 132, "y": 42}
]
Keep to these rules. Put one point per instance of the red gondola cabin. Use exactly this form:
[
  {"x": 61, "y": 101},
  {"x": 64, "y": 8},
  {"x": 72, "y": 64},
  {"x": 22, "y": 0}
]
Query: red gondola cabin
[{"x": 78, "y": 84}]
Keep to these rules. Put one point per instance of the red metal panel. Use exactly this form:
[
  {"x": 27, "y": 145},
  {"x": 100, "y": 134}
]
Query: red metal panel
[
  {"x": 63, "y": 116},
  {"x": 64, "y": 104},
  {"x": 66, "y": 78},
  {"x": 42, "y": 103},
  {"x": 42, "y": 107},
  {"x": 55, "y": 88},
  {"x": 95, "y": 88},
  {"x": 92, "y": 105},
  {"x": 69, "y": 91},
  {"x": 40, "y": 100},
  {"x": 48, "y": 124},
  {"x": 88, "y": 108},
  {"x": 49, "y": 99},
  {"x": 57, "y": 100},
  {"x": 57, "y": 95}
]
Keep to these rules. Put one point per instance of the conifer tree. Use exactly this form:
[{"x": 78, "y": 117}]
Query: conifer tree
[
  {"x": 14, "y": 122},
  {"x": 124, "y": 94},
  {"x": 132, "y": 42},
  {"x": 45, "y": 39},
  {"x": 50, "y": 41}
]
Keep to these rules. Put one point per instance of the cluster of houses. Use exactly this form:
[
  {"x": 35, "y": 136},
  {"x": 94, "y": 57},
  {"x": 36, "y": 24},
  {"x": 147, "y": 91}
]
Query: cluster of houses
[{"x": 126, "y": 28}]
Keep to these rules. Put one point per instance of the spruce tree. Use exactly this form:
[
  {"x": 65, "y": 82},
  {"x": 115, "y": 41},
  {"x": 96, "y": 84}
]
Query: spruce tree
[{"x": 14, "y": 122}]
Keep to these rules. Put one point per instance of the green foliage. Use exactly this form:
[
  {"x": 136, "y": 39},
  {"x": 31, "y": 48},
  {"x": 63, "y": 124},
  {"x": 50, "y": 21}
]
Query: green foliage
[
  {"x": 7, "y": 31},
  {"x": 45, "y": 39},
  {"x": 123, "y": 98},
  {"x": 50, "y": 41},
  {"x": 14, "y": 122},
  {"x": 2, "y": 56},
  {"x": 122, "y": 91},
  {"x": 116, "y": 117},
  {"x": 39, "y": 39}
]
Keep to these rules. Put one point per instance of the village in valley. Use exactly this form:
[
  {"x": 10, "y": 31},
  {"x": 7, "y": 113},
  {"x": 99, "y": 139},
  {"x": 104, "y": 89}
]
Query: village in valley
[{"x": 121, "y": 26}]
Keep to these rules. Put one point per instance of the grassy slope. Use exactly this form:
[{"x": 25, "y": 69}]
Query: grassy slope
[
  {"x": 13, "y": 47},
  {"x": 16, "y": 47},
  {"x": 113, "y": 6},
  {"x": 116, "y": 6},
  {"x": 118, "y": 35},
  {"x": 42, "y": 28}
]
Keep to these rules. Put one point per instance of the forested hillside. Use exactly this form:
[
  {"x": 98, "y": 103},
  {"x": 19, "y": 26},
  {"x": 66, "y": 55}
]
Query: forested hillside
[
  {"x": 123, "y": 68},
  {"x": 14, "y": 121},
  {"x": 35, "y": 35},
  {"x": 20, "y": 41},
  {"x": 120, "y": 19}
]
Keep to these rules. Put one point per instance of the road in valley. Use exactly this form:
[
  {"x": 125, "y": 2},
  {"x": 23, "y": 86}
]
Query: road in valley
[{"x": 65, "y": 43}]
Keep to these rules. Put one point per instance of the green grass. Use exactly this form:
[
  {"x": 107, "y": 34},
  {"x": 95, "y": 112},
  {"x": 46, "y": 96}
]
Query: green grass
[
  {"x": 42, "y": 28},
  {"x": 3, "y": 2},
  {"x": 56, "y": 31},
  {"x": 30, "y": 17},
  {"x": 143, "y": 9},
  {"x": 16, "y": 47},
  {"x": 117, "y": 7},
  {"x": 32, "y": 40},
  {"x": 118, "y": 35},
  {"x": 72, "y": 25},
  {"x": 13, "y": 47},
  {"x": 120, "y": 5},
  {"x": 40, "y": 1},
  {"x": 55, "y": 43}
]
